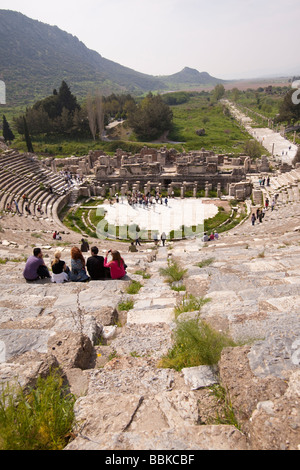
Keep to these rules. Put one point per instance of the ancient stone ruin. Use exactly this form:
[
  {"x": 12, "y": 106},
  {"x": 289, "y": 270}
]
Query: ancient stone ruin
[{"x": 162, "y": 169}]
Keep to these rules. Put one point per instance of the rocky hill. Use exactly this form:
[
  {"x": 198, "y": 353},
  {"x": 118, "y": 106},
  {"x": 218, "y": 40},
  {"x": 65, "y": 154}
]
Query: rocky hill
[
  {"x": 188, "y": 77},
  {"x": 125, "y": 399},
  {"x": 36, "y": 57}
]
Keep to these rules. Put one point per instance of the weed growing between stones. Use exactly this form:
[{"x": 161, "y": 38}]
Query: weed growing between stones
[
  {"x": 41, "y": 419},
  {"x": 143, "y": 273},
  {"x": 178, "y": 288},
  {"x": 226, "y": 414},
  {"x": 126, "y": 305},
  {"x": 189, "y": 303},
  {"x": 195, "y": 343},
  {"x": 173, "y": 272},
  {"x": 205, "y": 262},
  {"x": 134, "y": 287}
]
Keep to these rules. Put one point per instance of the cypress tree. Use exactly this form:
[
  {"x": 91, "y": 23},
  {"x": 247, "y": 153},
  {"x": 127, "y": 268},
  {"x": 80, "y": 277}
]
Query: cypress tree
[
  {"x": 7, "y": 132},
  {"x": 66, "y": 99},
  {"x": 27, "y": 137}
]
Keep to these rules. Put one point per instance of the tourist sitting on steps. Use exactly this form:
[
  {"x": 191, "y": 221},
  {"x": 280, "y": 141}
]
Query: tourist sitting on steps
[
  {"x": 95, "y": 266},
  {"x": 35, "y": 267},
  {"x": 59, "y": 269},
  {"x": 117, "y": 265},
  {"x": 132, "y": 248},
  {"x": 78, "y": 271},
  {"x": 39, "y": 209},
  {"x": 84, "y": 246}
]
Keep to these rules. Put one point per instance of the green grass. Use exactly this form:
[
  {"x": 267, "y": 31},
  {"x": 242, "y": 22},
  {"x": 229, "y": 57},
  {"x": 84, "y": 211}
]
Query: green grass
[
  {"x": 224, "y": 221},
  {"x": 78, "y": 221},
  {"x": 215, "y": 222},
  {"x": 195, "y": 343},
  {"x": 222, "y": 133},
  {"x": 261, "y": 103},
  {"x": 62, "y": 147},
  {"x": 41, "y": 419}
]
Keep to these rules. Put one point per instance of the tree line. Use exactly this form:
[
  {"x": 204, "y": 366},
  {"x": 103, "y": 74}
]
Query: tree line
[{"x": 61, "y": 114}]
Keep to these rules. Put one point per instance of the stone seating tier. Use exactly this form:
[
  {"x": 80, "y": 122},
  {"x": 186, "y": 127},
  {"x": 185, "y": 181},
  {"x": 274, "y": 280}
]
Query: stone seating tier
[
  {"x": 20, "y": 174},
  {"x": 129, "y": 402}
]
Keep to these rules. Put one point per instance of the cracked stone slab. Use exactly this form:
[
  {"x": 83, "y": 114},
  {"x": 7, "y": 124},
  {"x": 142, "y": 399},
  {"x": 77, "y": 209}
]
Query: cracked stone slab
[
  {"x": 15, "y": 342},
  {"x": 279, "y": 353}
]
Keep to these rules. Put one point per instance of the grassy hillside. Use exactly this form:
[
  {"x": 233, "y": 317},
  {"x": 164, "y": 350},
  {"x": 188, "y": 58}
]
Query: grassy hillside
[{"x": 222, "y": 133}]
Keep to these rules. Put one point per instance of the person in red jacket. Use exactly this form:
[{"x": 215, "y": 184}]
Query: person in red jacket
[{"x": 117, "y": 265}]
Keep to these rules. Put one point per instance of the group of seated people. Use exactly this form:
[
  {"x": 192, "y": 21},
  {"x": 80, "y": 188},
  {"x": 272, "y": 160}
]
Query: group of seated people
[
  {"x": 95, "y": 268},
  {"x": 212, "y": 236}
]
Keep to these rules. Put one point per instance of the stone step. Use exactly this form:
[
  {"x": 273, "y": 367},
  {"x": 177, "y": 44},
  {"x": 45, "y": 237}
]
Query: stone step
[{"x": 152, "y": 315}]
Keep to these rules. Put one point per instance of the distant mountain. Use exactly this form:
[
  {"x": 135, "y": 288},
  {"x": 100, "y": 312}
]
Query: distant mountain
[
  {"x": 190, "y": 77},
  {"x": 36, "y": 57}
]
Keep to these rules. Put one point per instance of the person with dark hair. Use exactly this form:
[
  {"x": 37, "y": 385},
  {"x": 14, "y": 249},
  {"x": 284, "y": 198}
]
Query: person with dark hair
[
  {"x": 78, "y": 271},
  {"x": 117, "y": 266},
  {"x": 95, "y": 266},
  {"x": 84, "y": 245},
  {"x": 35, "y": 267}
]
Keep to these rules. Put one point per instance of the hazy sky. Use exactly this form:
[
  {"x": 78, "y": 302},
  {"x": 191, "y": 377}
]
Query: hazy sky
[{"x": 226, "y": 38}]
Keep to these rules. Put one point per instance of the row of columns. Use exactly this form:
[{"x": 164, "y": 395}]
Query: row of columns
[{"x": 125, "y": 187}]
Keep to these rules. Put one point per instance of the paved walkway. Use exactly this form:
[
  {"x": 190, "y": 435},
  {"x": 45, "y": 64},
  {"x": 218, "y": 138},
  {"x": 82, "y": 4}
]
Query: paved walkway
[{"x": 282, "y": 149}]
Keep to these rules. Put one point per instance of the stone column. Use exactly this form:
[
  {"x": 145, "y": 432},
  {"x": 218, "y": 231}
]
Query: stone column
[{"x": 206, "y": 189}]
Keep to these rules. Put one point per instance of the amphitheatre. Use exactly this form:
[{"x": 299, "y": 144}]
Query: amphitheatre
[{"x": 248, "y": 281}]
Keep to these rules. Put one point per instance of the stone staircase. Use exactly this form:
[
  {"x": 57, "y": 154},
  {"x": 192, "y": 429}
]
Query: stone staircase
[{"x": 125, "y": 401}]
